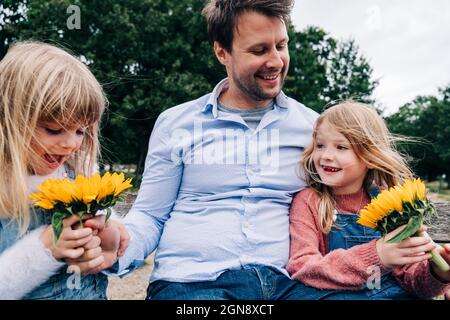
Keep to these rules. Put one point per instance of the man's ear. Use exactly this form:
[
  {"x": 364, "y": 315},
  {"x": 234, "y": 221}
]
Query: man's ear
[{"x": 221, "y": 54}]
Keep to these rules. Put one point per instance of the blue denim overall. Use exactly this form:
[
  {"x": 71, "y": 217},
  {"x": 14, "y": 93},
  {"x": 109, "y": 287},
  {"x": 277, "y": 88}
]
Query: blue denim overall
[
  {"x": 345, "y": 234},
  {"x": 65, "y": 284}
]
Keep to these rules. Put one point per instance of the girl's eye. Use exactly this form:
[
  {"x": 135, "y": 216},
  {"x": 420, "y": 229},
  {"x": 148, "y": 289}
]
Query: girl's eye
[
  {"x": 342, "y": 148},
  {"x": 53, "y": 131},
  {"x": 80, "y": 132},
  {"x": 319, "y": 146}
]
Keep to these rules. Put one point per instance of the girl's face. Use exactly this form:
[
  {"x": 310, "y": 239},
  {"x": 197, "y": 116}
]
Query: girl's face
[
  {"x": 53, "y": 144},
  {"x": 336, "y": 163}
]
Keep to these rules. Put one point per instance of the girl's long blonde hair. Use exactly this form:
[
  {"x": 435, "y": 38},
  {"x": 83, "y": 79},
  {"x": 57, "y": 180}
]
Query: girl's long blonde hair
[
  {"x": 373, "y": 144},
  {"x": 42, "y": 83}
]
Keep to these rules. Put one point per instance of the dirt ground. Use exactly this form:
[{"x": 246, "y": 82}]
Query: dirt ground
[{"x": 133, "y": 286}]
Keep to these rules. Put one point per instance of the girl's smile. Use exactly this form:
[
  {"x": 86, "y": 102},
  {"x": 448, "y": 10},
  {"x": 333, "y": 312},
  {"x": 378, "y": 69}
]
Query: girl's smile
[
  {"x": 329, "y": 169},
  {"x": 53, "y": 145},
  {"x": 336, "y": 162}
]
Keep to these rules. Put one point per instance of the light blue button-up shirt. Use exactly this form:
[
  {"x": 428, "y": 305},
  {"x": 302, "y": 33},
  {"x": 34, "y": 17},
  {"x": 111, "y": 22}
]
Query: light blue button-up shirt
[{"x": 215, "y": 194}]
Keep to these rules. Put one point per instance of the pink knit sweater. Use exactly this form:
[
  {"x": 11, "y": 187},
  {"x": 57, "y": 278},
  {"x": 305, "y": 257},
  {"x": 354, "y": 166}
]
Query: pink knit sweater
[{"x": 311, "y": 263}]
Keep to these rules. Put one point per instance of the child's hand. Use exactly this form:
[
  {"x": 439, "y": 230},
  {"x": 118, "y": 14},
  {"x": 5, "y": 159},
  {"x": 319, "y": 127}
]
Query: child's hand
[
  {"x": 108, "y": 238},
  {"x": 408, "y": 251},
  {"x": 114, "y": 238},
  {"x": 71, "y": 242},
  {"x": 443, "y": 276}
]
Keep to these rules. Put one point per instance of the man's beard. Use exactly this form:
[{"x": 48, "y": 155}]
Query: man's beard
[{"x": 254, "y": 91}]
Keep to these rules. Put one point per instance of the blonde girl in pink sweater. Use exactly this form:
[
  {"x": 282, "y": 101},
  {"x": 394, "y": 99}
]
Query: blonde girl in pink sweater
[{"x": 352, "y": 156}]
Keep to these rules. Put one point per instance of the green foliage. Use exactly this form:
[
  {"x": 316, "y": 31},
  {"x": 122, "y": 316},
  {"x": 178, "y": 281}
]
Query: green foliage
[
  {"x": 323, "y": 70},
  {"x": 426, "y": 117},
  {"x": 151, "y": 55}
]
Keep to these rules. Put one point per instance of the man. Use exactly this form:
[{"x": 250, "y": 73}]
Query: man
[{"x": 221, "y": 170}]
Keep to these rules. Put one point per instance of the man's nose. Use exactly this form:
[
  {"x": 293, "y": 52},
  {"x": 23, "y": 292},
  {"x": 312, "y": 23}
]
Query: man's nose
[{"x": 275, "y": 61}]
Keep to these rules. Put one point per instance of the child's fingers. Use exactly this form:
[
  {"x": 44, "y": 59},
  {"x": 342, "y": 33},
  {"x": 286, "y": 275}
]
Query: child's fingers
[
  {"x": 72, "y": 253},
  {"x": 78, "y": 224},
  {"x": 414, "y": 242},
  {"x": 423, "y": 229},
  {"x": 93, "y": 243},
  {"x": 90, "y": 254},
  {"x": 96, "y": 223},
  {"x": 394, "y": 232},
  {"x": 69, "y": 234},
  {"x": 414, "y": 259},
  {"x": 72, "y": 244},
  {"x": 419, "y": 249},
  {"x": 86, "y": 266},
  {"x": 68, "y": 222}
]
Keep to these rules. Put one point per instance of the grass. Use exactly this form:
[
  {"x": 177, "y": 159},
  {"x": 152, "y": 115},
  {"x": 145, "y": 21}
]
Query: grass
[{"x": 439, "y": 189}]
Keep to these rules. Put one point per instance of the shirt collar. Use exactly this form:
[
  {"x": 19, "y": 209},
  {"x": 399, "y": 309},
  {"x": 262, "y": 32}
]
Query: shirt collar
[{"x": 281, "y": 100}]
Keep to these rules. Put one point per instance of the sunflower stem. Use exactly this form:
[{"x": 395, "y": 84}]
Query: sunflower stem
[
  {"x": 436, "y": 257},
  {"x": 81, "y": 219}
]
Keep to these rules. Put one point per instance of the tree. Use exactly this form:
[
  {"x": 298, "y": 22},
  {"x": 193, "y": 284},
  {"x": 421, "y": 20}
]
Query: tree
[
  {"x": 151, "y": 55},
  {"x": 324, "y": 70},
  {"x": 426, "y": 117},
  {"x": 12, "y": 12}
]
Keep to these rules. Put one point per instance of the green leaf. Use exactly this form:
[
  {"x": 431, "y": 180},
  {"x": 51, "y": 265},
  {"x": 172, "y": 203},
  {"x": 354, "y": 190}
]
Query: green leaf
[
  {"x": 57, "y": 224},
  {"x": 108, "y": 213},
  {"x": 411, "y": 228}
]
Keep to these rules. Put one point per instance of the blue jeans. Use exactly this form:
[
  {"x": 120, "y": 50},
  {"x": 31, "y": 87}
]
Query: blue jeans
[
  {"x": 262, "y": 283},
  {"x": 252, "y": 282}
]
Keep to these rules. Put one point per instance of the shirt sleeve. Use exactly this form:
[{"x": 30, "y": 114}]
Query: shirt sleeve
[
  {"x": 157, "y": 195},
  {"x": 339, "y": 269},
  {"x": 418, "y": 279},
  {"x": 26, "y": 265}
]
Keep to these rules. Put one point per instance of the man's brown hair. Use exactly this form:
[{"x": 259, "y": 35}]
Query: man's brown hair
[{"x": 221, "y": 16}]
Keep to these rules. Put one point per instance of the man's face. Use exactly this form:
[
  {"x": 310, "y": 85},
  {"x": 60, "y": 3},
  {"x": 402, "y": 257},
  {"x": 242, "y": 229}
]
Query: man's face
[{"x": 259, "y": 59}]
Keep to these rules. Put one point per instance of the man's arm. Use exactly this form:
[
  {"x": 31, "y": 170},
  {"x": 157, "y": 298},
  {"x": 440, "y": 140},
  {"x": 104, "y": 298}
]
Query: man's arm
[{"x": 157, "y": 195}]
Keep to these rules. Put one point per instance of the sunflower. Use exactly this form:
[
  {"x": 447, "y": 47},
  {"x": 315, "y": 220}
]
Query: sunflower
[
  {"x": 399, "y": 205},
  {"x": 396, "y": 200},
  {"x": 62, "y": 197}
]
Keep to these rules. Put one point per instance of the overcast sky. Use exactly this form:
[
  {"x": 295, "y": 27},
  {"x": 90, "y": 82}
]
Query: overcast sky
[{"x": 407, "y": 42}]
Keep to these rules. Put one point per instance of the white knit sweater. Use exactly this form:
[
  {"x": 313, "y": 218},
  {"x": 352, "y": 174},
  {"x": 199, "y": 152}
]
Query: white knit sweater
[{"x": 26, "y": 265}]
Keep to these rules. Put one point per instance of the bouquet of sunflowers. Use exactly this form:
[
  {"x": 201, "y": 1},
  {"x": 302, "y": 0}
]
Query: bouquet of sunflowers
[
  {"x": 83, "y": 196},
  {"x": 400, "y": 205}
]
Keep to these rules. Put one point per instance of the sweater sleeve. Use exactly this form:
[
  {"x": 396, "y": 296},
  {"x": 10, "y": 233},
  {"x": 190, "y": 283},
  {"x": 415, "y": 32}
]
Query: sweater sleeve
[
  {"x": 26, "y": 265},
  {"x": 418, "y": 279},
  {"x": 309, "y": 263}
]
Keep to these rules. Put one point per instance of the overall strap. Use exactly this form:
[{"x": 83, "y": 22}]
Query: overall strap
[
  {"x": 70, "y": 172},
  {"x": 373, "y": 191}
]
